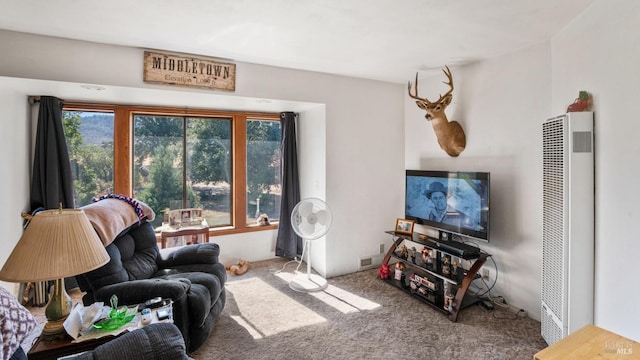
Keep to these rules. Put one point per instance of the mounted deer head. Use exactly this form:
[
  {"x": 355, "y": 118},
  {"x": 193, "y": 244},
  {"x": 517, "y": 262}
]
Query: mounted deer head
[{"x": 450, "y": 135}]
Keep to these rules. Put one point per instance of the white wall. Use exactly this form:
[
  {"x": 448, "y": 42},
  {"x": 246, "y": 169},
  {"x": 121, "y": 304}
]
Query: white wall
[
  {"x": 312, "y": 161},
  {"x": 501, "y": 104},
  {"x": 15, "y": 155},
  {"x": 600, "y": 52},
  {"x": 364, "y": 144}
]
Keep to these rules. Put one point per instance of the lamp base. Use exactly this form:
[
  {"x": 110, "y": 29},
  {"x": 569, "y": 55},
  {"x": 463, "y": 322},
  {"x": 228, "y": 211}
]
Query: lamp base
[
  {"x": 54, "y": 329},
  {"x": 57, "y": 311}
]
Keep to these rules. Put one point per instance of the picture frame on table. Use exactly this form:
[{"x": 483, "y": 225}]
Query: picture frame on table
[
  {"x": 404, "y": 226},
  {"x": 185, "y": 215},
  {"x": 183, "y": 240}
]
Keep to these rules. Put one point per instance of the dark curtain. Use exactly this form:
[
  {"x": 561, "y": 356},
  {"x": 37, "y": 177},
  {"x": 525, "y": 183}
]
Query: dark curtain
[
  {"x": 52, "y": 182},
  {"x": 288, "y": 244}
]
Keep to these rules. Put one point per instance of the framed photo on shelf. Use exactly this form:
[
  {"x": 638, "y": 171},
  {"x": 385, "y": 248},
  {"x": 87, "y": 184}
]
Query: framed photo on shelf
[{"x": 404, "y": 226}]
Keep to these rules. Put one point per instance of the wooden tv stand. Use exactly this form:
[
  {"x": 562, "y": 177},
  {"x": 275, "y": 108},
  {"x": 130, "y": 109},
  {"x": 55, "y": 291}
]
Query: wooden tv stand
[{"x": 431, "y": 282}]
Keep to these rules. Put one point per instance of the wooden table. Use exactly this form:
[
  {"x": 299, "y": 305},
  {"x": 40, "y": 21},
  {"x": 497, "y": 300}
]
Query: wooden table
[
  {"x": 53, "y": 349},
  {"x": 591, "y": 342},
  {"x": 185, "y": 231},
  {"x": 47, "y": 349}
]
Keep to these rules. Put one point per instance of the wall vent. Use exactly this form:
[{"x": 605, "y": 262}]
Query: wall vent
[
  {"x": 582, "y": 141},
  {"x": 567, "y": 225},
  {"x": 370, "y": 262}
]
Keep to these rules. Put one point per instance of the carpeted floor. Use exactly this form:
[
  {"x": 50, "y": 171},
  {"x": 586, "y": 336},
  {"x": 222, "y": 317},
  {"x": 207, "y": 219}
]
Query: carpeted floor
[{"x": 357, "y": 317}]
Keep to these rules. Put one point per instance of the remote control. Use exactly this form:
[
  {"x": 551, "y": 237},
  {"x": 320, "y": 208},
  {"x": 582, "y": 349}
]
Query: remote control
[{"x": 146, "y": 316}]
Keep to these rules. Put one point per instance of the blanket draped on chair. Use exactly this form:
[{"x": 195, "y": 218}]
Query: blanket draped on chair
[{"x": 110, "y": 217}]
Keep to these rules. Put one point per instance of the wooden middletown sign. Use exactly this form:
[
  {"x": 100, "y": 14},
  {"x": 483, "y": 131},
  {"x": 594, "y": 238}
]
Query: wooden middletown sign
[{"x": 186, "y": 70}]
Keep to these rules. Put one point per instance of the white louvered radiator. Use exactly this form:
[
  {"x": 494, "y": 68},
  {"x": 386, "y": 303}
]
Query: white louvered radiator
[{"x": 568, "y": 225}]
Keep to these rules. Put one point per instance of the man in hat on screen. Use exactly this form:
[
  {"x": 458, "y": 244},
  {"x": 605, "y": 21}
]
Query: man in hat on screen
[
  {"x": 441, "y": 211},
  {"x": 437, "y": 193}
]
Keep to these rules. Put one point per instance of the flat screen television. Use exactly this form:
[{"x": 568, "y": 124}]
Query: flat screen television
[{"x": 449, "y": 201}]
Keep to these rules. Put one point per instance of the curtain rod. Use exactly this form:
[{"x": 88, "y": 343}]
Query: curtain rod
[{"x": 34, "y": 99}]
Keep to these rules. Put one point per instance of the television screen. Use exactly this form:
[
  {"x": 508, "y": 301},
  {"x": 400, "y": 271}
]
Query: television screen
[{"x": 454, "y": 202}]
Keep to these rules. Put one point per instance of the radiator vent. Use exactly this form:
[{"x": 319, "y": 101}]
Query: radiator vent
[
  {"x": 567, "y": 225},
  {"x": 552, "y": 332},
  {"x": 553, "y": 181}
]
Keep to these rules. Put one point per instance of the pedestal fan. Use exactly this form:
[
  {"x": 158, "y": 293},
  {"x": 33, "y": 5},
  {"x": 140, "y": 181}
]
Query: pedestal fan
[{"x": 310, "y": 219}]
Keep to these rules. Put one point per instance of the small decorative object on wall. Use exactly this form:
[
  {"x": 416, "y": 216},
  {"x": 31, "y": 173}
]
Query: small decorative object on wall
[
  {"x": 404, "y": 226},
  {"x": 582, "y": 103},
  {"x": 450, "y": 134},
  {"x": 176, "y": 69}
]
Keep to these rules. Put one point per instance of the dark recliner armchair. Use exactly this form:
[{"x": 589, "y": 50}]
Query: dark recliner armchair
[
  {"x": 191, "y": 276},
  {"x": 159, "y": 341}
]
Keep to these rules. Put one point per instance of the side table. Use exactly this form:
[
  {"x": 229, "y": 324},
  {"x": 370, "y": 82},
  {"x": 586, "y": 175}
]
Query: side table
[
  {"x": 591, "y": 342},
  {"x": 53, "y": 349},
  {"x": 185, "y": 231}
]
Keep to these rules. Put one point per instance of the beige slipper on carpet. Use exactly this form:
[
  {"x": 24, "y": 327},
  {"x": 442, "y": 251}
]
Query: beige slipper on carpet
[{"x": 240, "y": 268}]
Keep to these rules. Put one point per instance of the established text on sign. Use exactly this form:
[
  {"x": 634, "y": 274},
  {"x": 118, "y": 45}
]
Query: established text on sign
[{"x": 188, "y": 71}]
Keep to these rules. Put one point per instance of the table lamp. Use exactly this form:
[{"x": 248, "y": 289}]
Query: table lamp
[{"x": 57, "y": 244}]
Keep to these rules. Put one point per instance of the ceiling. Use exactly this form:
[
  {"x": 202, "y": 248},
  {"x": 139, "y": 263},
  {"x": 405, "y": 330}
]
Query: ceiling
[{"x": 374, "y": 39}]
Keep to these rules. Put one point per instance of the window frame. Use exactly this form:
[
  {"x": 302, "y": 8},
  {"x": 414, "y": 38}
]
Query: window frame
[{"x": 123, "y": 152}]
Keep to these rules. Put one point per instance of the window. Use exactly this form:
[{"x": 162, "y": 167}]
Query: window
[
  {"x": 226, "y": 163},
  {"x": 184, "y": 162},
  {"x": 89, "y": 137},
  {"x": 263, "y": 169}
]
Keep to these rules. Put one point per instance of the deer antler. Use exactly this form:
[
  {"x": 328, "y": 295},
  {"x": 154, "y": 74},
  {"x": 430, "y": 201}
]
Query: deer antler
[
  {"x": 416, "y": 95},
  {"x": 450, "y": 134},
  {"x": 450, "y": 83},
  {"x": 447, "y": 73}
]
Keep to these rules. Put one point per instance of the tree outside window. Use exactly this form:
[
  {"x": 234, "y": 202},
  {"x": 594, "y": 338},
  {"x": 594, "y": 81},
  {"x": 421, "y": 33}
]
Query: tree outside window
[
  {"x": 178, "y": 159},
  {"x": 89, "y": 137},
  {"x": 263, "y": 169}
]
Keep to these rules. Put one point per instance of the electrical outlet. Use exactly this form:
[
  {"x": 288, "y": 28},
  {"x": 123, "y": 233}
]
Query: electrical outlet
[
  {"x": 381, "y": 248},
  {"x": 485, "y": 273}
]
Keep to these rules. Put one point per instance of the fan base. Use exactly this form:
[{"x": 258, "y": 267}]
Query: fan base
[{"x": 308, "y": 283}]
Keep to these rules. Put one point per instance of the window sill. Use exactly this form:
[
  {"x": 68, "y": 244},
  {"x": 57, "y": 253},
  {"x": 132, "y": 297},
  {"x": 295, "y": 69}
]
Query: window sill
[{"x": 229, "y": 230}]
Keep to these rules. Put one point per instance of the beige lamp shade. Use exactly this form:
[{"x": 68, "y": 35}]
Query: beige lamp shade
[{"x": 56, "y": 244}]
